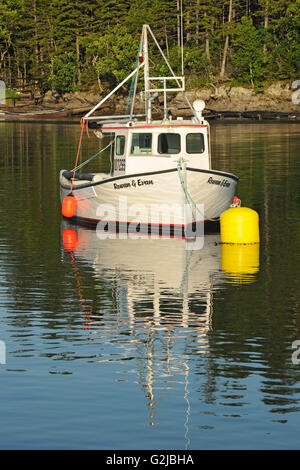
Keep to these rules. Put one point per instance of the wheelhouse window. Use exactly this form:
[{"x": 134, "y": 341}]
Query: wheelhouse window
[
  {"x": 168, "y": 143},
  {"x": 120, "y": 144},
  {"x": 195, "y": 143},
  {"x": 141, "y": 144}
]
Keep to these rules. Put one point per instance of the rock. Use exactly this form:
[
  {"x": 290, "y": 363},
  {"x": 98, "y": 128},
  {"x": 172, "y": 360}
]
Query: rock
[
  {"x": 68, "y": 96},
  {"x": 192, "y": 95},
  {"x": 79, "y": 99},
  {"x": 220, "y": 92},
  {"x": 279, "y": 91},
  {"x": 196, "y": 94},
  {"x": 49, "y": 98},
  {"x": 82, "y": 97},
  {"x": 239, "y": 93},
  {"x": 86, "y": 97},
  {"x": 179, "y": 99},
  {"x": 204, "y": 94}
]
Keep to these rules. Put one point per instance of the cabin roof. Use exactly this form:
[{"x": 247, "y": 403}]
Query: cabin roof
[{"x": 153, "y": 125}]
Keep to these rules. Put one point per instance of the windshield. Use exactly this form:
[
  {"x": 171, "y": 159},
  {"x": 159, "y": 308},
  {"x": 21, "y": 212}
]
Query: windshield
[
  {"x": 141, "y": 144},
  {"x": 168, "y": 143}
]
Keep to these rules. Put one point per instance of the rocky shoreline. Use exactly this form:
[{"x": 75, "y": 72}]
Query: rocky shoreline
[
  {"x": 277, "y": 97},
  {"x": 221, "y": 101}
]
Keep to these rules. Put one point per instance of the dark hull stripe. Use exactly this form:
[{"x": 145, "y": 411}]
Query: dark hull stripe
[{"x": 175, "y": 230}]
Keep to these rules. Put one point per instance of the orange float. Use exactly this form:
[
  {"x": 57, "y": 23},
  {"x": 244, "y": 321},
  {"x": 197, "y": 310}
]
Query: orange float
[{"x": 69, "y": 206}]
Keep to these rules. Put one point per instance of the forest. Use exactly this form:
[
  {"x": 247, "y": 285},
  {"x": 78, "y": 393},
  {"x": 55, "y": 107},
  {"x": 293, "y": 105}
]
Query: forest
[{"x": 91, "y": 45}]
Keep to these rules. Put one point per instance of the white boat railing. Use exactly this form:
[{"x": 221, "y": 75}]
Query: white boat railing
[
  {"x": 113, "y": 91},
  {"x": 115, "y": 117}
]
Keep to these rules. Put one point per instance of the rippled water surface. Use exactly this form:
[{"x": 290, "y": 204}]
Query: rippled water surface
[{"x": 145, "y": 344}]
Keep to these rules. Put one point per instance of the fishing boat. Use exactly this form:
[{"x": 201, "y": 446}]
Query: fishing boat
[{"x": 162, "y": 177}]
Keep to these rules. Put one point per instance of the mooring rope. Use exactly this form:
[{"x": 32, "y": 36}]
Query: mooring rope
[
  {"x": 187, "y": 194},
  {"x": 77, "y": 167}
]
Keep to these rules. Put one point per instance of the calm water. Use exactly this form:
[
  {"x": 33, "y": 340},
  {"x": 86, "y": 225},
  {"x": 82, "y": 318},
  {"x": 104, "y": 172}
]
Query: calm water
[{"x": 143, "y": 344}]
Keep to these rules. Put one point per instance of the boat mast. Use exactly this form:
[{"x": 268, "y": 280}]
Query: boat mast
[
  {"x": 150, "y": 92},
  {"x": 146, "y": 75}
]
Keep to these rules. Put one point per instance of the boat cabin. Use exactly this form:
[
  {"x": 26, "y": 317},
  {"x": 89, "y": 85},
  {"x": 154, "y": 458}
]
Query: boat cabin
[{"x": 140, "y": 147}]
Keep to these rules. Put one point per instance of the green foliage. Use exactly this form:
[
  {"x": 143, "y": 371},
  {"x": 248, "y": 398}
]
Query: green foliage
[
  {"x": 62, "y": 78},
  {"x": 195, "y": 60},
  {"x": 285, "y": 53},
  {"x": 11, "y": 94},
  {"x": 64, "y": 44},
  {"x": 114, "y": 53},
  {"x": 248, "y": 52}
]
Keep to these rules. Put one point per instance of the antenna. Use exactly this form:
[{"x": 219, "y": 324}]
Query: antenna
[
  {"x": 181, "y": 38},
  {"x": 146, "y": 74}
]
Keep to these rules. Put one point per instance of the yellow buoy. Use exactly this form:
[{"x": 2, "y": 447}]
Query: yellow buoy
[{"x": 239, "y": 225}]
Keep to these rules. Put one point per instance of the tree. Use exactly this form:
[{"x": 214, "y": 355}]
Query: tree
[
  {"x": 248, "y": 55},
  {"x": 112, "y": 54},
  {"x": 201, "y": 20},
  {"x": 226, "y": 43},
  {"x": 62, "y": 78},
  {"x": 285, "y": 53},
  {"x": 35, "y": 35},
  {"x": 8, "y": 19}
]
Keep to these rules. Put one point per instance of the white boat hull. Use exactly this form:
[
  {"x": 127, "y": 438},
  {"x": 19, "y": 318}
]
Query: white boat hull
[{"x": 161, "y": 198}]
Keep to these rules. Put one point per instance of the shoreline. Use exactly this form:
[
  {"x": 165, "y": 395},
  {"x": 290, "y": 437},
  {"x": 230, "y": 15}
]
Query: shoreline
[
  {"x": 277, "y": 102},
  {"x": 211, "y": 114},
  {"x": 255, "y": 115}
]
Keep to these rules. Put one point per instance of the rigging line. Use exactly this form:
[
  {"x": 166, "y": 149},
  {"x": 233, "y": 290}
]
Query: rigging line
[
  {"x": 133, "y": 87},
  {"x": 93, "y": 156},
  {"x": 188, "y": 410},
  {"x": 82, "y": 124},
  {"x": 83, "y": 302},
  {"x": 110, "y": 158},
  {"x": 171, "y": 70}
]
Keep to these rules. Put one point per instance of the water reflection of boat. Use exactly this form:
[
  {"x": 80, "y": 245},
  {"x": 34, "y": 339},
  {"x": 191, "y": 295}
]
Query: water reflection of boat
[
  {"x": 163, "y": 296},
  {"x": 155, "y": 270},
  {"x": 161, "y": 289},
  {"x": 171, "y": 263}
]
